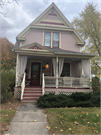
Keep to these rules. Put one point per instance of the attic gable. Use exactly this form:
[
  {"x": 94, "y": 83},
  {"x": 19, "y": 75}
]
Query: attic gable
[
  {"x": 52, "y": 16},
  {"x": 53, "y": 19}
]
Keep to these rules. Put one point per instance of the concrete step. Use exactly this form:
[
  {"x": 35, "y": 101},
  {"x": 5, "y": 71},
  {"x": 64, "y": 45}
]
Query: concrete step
[
  {"x": 32, "y": 95},
  {"x": 33, "y": 88},
  {"x": 33, "y": 92},
  {"x": 39, "y": 94},
  {"x": 32, "y": 98},
  {"x": 29, "y": 101}
]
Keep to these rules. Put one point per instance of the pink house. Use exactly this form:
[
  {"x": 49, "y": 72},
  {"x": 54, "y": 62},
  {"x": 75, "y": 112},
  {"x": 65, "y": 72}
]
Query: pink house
[{"x": 49, "y": 58}]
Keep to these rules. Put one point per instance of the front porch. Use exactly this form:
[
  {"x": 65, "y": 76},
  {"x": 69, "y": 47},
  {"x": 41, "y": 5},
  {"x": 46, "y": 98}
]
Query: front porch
[{"x": 40, "y": 72}]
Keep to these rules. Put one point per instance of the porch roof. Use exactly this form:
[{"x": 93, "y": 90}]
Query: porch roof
[
  {"x": 53, "y": 51},
  {"x": 64, "y": 52}
]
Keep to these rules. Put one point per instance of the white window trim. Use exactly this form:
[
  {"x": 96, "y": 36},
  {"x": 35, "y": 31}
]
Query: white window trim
[{"x": 51, "y": 44}]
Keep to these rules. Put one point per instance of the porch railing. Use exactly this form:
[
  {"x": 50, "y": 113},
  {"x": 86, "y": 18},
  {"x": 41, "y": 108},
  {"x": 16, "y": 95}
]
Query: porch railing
[
  {"x": 50, "y": 81},
  {"x": 23, "y": 86}
]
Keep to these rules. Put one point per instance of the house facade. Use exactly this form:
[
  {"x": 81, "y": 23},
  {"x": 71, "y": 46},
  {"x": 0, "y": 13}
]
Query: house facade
[{"x": 49, "y": 58}]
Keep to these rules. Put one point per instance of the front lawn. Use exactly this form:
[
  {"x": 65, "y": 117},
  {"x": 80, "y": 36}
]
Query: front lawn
[
  {"x": 6, "y": 116},
  {"x": 8, "y": 110},
  {"x": 75, "y": 120}
]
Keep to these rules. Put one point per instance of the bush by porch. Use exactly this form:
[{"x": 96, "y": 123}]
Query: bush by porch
[{"x": 77, "y": 99}]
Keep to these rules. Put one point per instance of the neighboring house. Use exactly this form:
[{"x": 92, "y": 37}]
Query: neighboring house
[{"x": 48, "y": 50}]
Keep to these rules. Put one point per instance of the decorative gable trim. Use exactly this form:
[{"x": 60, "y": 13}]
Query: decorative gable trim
[
  {"x": 51, "y": 23},
  {"x": 35, "y": 47}
]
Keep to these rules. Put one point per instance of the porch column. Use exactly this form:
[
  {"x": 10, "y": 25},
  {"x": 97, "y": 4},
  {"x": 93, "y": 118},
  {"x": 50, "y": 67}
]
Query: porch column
[
  {"x": 16, "y": 70},
  {"x": 56, "y": 72}
]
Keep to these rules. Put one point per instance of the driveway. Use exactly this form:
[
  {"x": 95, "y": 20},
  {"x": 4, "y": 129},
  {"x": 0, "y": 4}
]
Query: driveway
[{"x": 28, "y": 120}]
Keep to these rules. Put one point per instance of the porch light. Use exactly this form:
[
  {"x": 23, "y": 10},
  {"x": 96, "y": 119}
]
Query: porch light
[{"x": 47, "y": 65}]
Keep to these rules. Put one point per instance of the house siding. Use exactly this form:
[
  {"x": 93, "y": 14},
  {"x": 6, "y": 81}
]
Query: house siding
[
  {"x": 52, "y": 17},
  {"x": 34, "y": 36},
  {"x": 68, "y": 42}
]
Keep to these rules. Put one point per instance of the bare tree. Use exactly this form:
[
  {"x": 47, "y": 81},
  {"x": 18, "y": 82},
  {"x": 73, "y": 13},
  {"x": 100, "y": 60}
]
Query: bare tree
[{"x": 6, "y": 2}]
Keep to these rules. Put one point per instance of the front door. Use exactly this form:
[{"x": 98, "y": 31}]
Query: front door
[{"x": 35, "y": 73}]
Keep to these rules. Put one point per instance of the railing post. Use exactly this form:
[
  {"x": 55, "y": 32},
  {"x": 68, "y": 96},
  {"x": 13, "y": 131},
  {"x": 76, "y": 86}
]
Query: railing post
[
  {"x": 23, "y": 86},
  {"x": 43, "y": 84},
  {"x": 56, "y": 72}
]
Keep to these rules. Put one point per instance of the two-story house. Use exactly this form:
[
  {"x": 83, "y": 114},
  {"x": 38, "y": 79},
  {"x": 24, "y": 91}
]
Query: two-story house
[{"x": 49, "y": 58}]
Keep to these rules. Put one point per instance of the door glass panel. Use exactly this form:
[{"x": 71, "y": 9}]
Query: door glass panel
[
  {"x": 35, "y": 67},
  {"x": 35, "y": 72}
]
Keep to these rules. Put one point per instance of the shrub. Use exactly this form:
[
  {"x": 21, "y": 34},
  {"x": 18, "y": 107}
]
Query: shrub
[
  {"x": 7, "y": 83},
  {"x": 96, "y": 100},
  {"x": 12, "y": 80},
  {"x": 96, "y": 93},
  {"x": 84, "y": 104},
  {"x": 95, "y": 84},
  {"x": 77, "y": 99},
  {"x": 80, "y": 96}
]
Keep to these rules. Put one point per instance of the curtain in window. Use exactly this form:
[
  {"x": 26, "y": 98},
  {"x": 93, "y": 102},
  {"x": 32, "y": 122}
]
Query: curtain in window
[
  {"x": 22, "y": 62},
  {"x": 55, "y": 39},
  {"x": 86, "y": 68},
  {"x": 54, "y": 66},
  {"x": 61, "y": 62},
  {"x": 47, "y": 39}
]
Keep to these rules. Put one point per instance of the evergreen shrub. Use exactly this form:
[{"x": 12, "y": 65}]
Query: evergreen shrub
[{"x": 77, "y": 99}]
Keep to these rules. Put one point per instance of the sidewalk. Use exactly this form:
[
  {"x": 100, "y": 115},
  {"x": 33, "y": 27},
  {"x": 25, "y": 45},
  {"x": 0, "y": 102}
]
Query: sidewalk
[{"x": 23, "y": 122}]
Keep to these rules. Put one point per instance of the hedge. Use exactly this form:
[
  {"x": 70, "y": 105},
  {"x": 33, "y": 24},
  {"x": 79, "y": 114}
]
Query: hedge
[{"x": 77, "y": 99}]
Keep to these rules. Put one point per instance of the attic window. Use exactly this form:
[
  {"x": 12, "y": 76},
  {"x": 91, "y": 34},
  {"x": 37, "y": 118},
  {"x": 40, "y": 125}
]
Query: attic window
[
  {"x": 47, "y": 39},
  {"x": 55, "y": 39}
]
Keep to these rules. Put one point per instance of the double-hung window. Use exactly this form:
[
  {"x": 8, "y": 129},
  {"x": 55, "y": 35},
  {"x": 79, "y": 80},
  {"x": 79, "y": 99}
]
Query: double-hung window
[
  {"x": 55, "y": 39},
  {"x": 47, "y": 39}
]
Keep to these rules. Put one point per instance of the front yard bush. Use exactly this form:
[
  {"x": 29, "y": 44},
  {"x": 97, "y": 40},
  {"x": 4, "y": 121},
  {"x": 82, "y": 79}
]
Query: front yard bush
[
  {"x": 95, "y": 84},
  {"x": 7, "y": 85},
  {"x": 77, "y": 99},
  {"x": 80, "y": 96}
]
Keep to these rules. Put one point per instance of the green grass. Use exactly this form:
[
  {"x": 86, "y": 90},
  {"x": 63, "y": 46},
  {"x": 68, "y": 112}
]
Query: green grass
[
  {"x": 6, "y": 116},
  {"x": 64, "y": 118}
]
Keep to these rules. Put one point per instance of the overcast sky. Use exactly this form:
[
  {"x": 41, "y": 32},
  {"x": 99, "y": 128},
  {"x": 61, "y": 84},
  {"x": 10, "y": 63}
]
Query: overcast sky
[{"x": 17, "y": 17}]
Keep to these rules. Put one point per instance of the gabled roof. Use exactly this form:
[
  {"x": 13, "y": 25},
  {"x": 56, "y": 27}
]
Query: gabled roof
[
  {"x": 51, "y": 7},
  {"x": 67, "y": 27}
]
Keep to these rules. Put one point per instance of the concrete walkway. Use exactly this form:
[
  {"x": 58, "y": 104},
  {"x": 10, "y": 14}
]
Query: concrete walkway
[{"x": 23, "y": 121}]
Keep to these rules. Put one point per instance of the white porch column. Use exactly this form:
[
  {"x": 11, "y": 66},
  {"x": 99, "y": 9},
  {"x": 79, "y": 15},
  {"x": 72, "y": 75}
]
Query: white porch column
[
  {"x": 16, "y": 69},
  {"x": 56, "y": 72}
]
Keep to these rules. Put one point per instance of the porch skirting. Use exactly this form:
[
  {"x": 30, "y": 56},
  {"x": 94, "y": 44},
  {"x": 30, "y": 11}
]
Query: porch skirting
[
  {"x": 17, "y": 92},
  {"x": 66, "y": 91}
]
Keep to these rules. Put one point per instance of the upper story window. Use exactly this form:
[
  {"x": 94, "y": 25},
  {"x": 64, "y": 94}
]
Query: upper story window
[
  {"x": 47, "y": 39},
  {"x": 55, "y": 39}
]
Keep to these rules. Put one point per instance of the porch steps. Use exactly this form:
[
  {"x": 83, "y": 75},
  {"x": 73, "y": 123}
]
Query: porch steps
[{"x": 31, "y": 94}]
